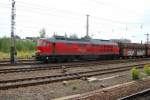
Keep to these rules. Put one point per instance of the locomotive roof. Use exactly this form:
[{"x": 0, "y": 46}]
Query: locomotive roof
[{"x": 82, "y": 41}]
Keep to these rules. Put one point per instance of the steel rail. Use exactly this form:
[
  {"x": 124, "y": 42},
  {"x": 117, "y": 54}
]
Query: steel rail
[
  {"x": 59, "y": 66},
  {"x": 7, "y": 84}
]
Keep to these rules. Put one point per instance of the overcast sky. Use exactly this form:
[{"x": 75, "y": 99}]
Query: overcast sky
[{"x": 108, "y": 18}]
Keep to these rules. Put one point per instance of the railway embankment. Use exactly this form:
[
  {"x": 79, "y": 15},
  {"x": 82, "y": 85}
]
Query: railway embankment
[{"x": 113, "y": 92}]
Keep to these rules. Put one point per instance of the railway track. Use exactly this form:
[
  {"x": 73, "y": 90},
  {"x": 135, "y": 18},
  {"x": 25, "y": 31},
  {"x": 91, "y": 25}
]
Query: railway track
[
  {"x": 19, "y": 62},
  {"x": 4, "y": 63},
  {"x": 59, "y": 66},
  {"x": 142, "y": 95},
  {"x": 15, "y": 83}
]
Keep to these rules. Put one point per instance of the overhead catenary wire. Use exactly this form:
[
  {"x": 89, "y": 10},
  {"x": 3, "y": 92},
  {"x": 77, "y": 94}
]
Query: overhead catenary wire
[
  {"x": 45, "y": 10},
  {"x": 110, "y": 5},
  {"x": 42, "y": 12},
  {"x": 97, "y": 18},
  {"x": 114, "y": 21},
  {"x": 50, "y": 8},
  {"x": 68, "y": 15},
  {"x": 40, "y": 7},
  {"x": 46, "y": 13}
]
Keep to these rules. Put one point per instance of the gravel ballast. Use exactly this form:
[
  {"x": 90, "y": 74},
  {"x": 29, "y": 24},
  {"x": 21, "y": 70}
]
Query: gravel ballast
[
  {"x": 18, "y": 75},
  {"x": 61, "y": 89},
  {"x": 113, "y": 92}
]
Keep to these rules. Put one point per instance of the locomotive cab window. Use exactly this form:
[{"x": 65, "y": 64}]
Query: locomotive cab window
[
  {"x": 42, "y": 43},
  {"x": 39, "y": 43}
]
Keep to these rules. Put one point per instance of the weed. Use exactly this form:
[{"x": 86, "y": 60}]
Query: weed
[
  {"x": 74, "y": 88},
  {"x": 147, "y": 69},
  {"x": 135, "y": 73}
]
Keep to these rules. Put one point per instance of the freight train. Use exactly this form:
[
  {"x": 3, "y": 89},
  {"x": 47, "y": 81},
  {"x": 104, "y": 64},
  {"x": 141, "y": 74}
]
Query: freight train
[{"x": 60, "y": 49}]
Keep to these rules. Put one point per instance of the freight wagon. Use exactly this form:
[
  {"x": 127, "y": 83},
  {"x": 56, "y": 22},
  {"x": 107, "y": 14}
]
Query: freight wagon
[
  {"x": 147, "y": 50},
  {"x": 132, "y": 50}
]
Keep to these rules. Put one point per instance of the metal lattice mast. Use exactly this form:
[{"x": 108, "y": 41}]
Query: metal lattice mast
[
  {"x": 87, "y": 26},
  {"x": 13, "y": 48},
  {"x": 147, "y": 38}
]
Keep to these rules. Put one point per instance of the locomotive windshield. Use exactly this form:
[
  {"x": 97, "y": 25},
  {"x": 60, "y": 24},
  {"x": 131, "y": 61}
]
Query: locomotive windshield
[{"x": 41, "y": 43}]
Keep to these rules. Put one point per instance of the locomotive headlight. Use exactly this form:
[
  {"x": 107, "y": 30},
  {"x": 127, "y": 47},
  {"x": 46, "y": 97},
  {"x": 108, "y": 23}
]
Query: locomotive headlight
[{"x": 38, "y": 51}]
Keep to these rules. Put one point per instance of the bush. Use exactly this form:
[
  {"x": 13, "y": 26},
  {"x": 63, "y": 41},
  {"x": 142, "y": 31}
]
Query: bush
[
  {"x": 5, "y": 44},
  {"x": 21, "y": 45},
  {"x": 25, "y": 48},
  {"x": 135, "y": 73},
  {"x": 147, "y": 69}
]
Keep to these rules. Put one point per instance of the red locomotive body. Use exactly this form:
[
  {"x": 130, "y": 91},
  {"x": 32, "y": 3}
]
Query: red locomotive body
[{"x": 60, "y": 48}]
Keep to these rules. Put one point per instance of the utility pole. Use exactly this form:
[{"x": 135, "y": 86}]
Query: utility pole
[
  {"x": 87, "y": 26},
  {"x": 147, "y": 37},
  {"x": 13, "y": 47}
]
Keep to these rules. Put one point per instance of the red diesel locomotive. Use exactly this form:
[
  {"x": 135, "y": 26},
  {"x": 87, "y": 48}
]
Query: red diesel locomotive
[{"x": 59, "y": 48}]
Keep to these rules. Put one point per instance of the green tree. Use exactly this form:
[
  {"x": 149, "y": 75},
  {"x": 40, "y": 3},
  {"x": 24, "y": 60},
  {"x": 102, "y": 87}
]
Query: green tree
[
  {"x": 21, "y": 45},
  {"x": 5, "y": 44}
]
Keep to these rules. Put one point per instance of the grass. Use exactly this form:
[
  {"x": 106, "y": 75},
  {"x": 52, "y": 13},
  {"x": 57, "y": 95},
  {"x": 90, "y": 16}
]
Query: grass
[
  {"x": 4, "y": 55},
  {"x": 25, "y": 54},
  {"x": 20, "y": 54}
]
